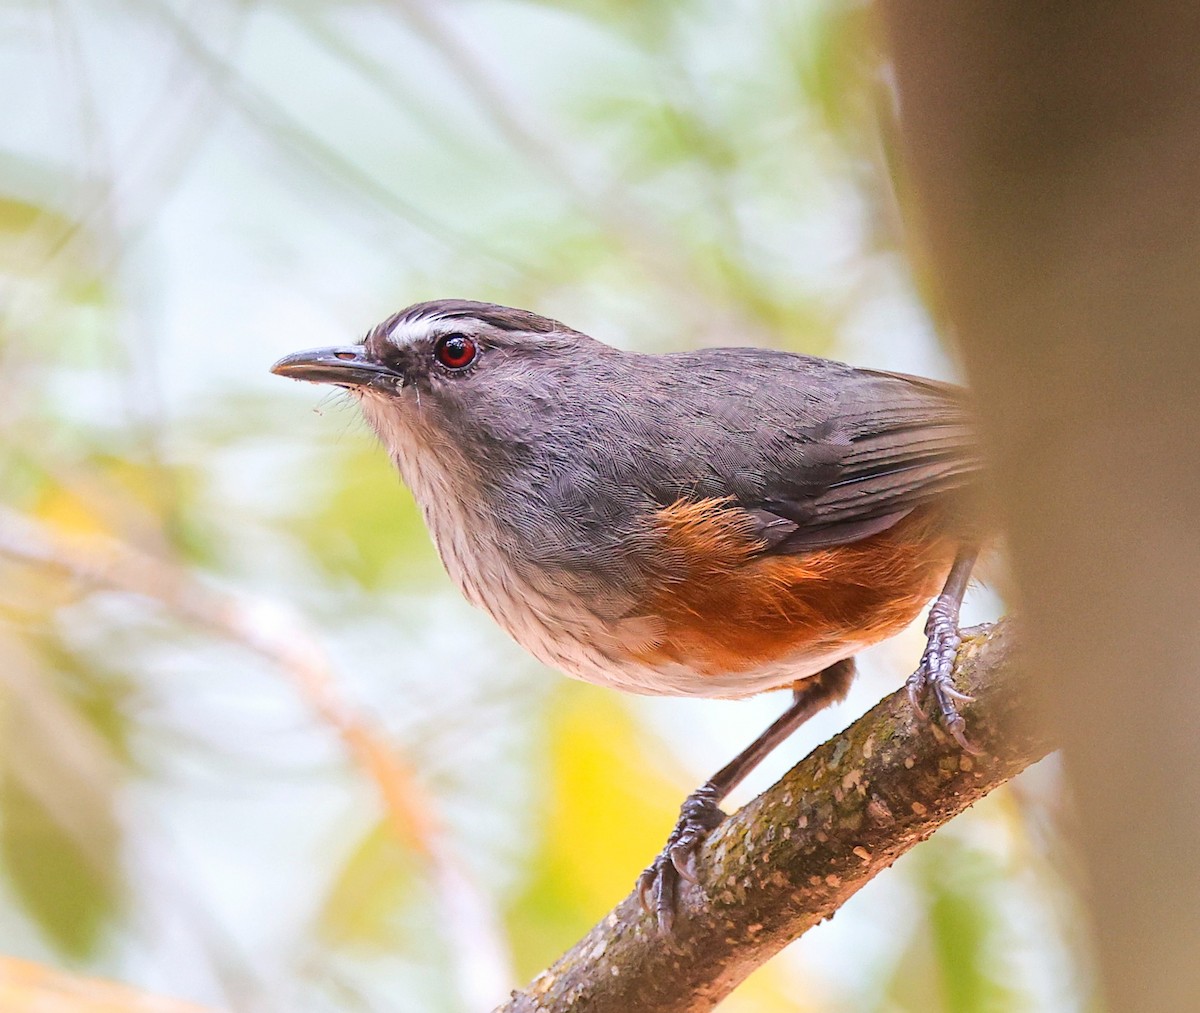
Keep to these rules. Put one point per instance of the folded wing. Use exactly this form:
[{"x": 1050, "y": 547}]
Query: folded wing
[{"x": 892, "y": 443}]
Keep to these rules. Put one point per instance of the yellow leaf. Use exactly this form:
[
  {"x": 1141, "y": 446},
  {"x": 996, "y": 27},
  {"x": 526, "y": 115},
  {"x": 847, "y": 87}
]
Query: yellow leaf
[
  {"x": 69, "y": 514},
  {"x": 606, "y": 813},
  {"x": 371, "y": 887}
]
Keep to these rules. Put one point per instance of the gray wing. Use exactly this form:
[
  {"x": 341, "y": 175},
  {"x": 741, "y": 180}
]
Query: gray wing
[
  {"x": 889, "y": 443},
  {"x": 817, "y": 452}
]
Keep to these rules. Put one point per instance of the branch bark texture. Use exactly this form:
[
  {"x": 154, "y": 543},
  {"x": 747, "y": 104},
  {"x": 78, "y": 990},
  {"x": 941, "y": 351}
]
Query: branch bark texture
[{"x": 798, "y": 852}]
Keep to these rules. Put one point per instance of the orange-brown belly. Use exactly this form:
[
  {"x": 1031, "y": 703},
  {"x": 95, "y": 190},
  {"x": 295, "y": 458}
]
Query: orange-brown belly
[{"x": 726, "y": 609}]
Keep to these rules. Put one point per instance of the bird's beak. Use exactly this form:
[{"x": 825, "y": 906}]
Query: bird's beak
[{"x": 347, "y": 366}]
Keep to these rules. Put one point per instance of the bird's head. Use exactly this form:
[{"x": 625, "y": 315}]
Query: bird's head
[
  {"x": 454, "y": 374},
  {"x": 439, "y": 349}
]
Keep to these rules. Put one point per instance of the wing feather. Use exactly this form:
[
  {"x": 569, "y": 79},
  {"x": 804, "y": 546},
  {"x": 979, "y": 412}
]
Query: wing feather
[{"x": 901, "y": 442}]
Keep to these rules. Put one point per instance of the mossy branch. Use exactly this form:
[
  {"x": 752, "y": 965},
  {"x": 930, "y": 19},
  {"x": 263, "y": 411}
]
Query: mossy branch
[{"x": 799, "y": 851}]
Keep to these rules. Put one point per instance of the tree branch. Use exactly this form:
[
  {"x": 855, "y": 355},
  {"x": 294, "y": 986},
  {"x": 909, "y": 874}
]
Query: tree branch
[{"x": 798, "y": 852}]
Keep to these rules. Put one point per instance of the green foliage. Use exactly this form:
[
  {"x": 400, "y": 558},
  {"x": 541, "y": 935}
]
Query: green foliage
[
  {"x": 57, "y": 883},
  {"x": 40, "y": 242},
  {"x": 59, "y": 835},
  {"x": 836, "y": 68},
  {"x": 98, "y": 694},
  {"x": 369, "y": 527},
  {"x": 19, "y": 221},
  {"x": 376, "y": 881},
  {"x": 957, "y": 965}
]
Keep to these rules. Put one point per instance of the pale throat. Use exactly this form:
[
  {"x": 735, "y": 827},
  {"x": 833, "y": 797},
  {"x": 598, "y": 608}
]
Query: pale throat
[
  {"x": 436, "y": 474},
  {"x": 542, "y": 613}
]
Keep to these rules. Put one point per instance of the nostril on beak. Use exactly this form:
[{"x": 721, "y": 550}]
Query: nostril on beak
[{"x": 347, "y": 366}]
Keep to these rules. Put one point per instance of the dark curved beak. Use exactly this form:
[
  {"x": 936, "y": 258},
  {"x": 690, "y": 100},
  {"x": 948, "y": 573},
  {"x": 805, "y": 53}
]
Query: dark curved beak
[{"x": 347, "y": 366}]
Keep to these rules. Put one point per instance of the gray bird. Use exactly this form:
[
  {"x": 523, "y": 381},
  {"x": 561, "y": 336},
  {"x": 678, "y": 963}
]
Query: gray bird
[{"x": 713, "y": 523}]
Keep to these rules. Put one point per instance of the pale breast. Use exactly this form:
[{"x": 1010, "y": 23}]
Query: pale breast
[
  {"x": 558, "y": 626},
  {"x": 731, "y": 630}
]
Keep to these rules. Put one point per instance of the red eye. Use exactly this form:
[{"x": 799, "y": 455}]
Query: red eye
[{"x": 455, "y": 351}]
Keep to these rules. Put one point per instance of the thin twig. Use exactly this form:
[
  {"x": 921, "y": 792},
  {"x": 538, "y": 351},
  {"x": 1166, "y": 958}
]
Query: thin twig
[
  {"x": 275, "y": 633},
  {"x": 632, "y": 223}
]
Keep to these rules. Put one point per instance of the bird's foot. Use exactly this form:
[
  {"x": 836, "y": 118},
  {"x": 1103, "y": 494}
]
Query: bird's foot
[
  {"x": 934, "y": 674},
  {"x": 658, "y": 886}
]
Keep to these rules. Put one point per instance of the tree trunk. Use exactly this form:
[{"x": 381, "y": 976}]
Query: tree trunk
[{"x": 1055, "y": 151}]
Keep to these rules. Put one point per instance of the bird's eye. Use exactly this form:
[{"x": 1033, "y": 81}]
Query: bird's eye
[{"x": 455, "y": 351}]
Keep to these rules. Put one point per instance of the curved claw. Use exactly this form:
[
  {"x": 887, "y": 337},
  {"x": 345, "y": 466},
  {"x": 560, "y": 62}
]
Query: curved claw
[
  {"x": 914, "y": 684},
  {"x": 955, "y": 727},
  {"x": 933, "y": 677},
  {"x": 665, "y": 907},
  {"x": 645, "y": 888},
  {"x": 683, "y": 857},
  {"x": 658, "y": 885}
]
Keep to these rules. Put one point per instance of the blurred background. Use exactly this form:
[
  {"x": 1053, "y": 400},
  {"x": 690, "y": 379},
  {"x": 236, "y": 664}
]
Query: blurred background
[{"x": 256, "y": 752}]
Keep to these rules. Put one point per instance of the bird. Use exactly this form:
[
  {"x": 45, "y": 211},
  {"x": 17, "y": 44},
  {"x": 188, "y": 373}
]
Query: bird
[{"x": 714, "y": 523}]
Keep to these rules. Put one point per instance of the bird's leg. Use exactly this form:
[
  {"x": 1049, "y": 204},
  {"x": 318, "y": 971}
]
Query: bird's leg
[
  {"x": 701, "y": 813},
  {"x": 933, "y": 674}
]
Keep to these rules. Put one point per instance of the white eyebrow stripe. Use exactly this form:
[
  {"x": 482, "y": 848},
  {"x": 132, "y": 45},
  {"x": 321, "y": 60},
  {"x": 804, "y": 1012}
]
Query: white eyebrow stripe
[{"x": 410, "y": 332}]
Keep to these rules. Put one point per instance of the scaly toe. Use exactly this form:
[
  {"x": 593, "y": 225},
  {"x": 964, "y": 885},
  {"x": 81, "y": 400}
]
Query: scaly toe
[
  {"x": 646, "y": 884},
  {"x": 933, "y": 679},
  {"x": 658, "y": 886},
  {"x": 915, "y": 684}
]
